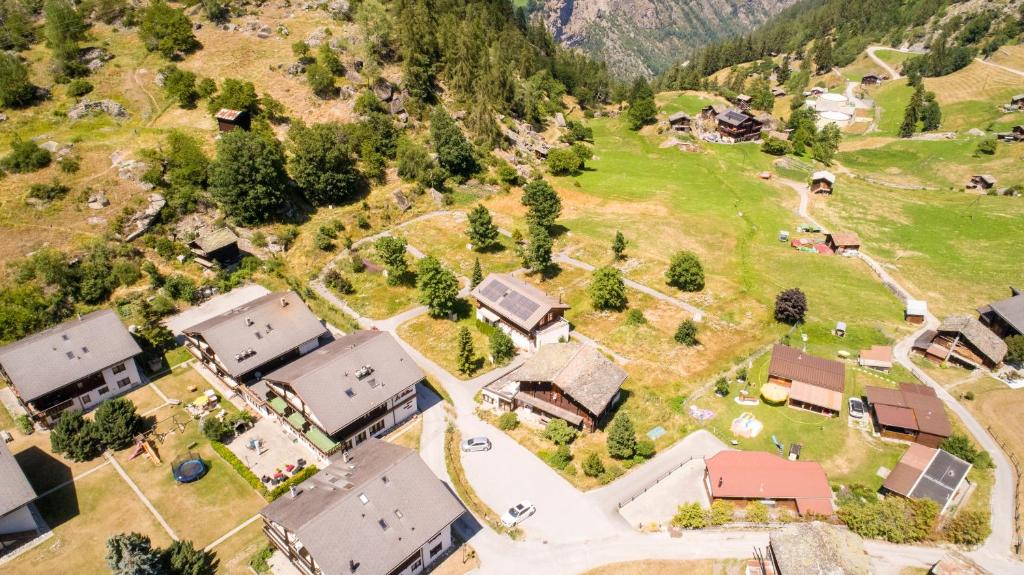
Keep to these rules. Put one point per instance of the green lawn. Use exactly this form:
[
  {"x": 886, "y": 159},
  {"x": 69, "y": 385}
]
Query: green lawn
[
  {"x": 892, "y": 97},
  {"x": 672, "y": 102},
  {"x": 374, "y": 297}
]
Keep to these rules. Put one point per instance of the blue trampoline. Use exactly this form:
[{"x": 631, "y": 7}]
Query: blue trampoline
[{"x": 188, "y": 468}]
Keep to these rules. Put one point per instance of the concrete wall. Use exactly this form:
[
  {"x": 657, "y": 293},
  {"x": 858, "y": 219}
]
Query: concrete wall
[{"x": 17, "y": 521}]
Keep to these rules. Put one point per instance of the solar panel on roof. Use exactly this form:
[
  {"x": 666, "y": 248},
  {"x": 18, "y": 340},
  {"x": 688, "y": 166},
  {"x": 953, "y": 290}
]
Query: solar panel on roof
[
  {"x": 518, "y": 305},
  {"x": 493, "y": 290}
]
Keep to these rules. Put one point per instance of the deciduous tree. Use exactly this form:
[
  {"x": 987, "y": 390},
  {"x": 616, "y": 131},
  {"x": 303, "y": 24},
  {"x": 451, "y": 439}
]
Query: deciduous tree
[
  {"x": 391, "y": 251},
  {"x": 454, "y": 152},
  {"x": 544, "y": 205},
  {"x": 439, "y": 288},
  {"x": 15, "y": 88},
  {"x": 536, "y": 254},
  {"x": 685, "y": 272},
  {"x": 248, "y": 176},
  {"x": 166, "y": 30},
  {"x": 608, "y": 290},
  {"x": 503, "y": 349},
  {"x": 322, "y": 164},
  {"x": 790, "y": 306}
]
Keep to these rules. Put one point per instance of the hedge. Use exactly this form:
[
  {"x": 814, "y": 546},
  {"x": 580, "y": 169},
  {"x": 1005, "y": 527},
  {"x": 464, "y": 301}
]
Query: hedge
[
  {"x": 296, "y": 479},
  {"x": 239, "y": 467}
]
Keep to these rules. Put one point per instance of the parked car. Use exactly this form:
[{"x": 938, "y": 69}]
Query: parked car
[
  {"x": 476, "y": 444},
  {"x": 518, "y": 513},
  {"x": 856, "y": 408}
]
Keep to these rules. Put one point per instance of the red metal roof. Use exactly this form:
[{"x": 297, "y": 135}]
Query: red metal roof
[{"x": 762, "y": 475}]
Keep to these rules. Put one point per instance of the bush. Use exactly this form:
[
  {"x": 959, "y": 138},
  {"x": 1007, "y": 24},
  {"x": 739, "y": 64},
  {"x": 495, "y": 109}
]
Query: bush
[
  {"x": 1015, "y": 349},
  {"x": 969, "y": 396},
  {"x": 508, "y": 421},
  {"x": 987, "y": 147},
  {"x": 757, "y": 512},
  {"x": 610, "y": 474},
  {"x": 722, "y": 387},
  {"x": 685, "y": 272},
  {"x": 635, "y": 317},
  {"x": 25, "y": 425},
  {"x": 339, "y": 283},
  {"x": 239, "y": 467},
  {"x": 690, "y": 516},
  {"x": 721, "y": 512},
  {"x": 216, "y": 429},
  {"x": 775, "y": 146},
  {"x": 560, "y": 458},
  {"x": 645, "y": 449},
  {"x": 592, "y": 465},
  {"x": 48, "y": 192},
  {"x": 559, "y": 432},
  {"x": 70, "y": 164},
  {"x": 968, "y": 527},
  {"x": 961, "y": 446},
  {"x": 116, "y": 423},
  {"x": 564, "y": 162},
  {"x": 608, "y": 290},
  {"x": 79, "y": 87},
  {"x": 893, "y": 519},
  {"x": 25, "y": 157},
  {"x": 258, "y": 562},
  {"x": 790, "y": 306},
  {"x": 503, "y": 348},
  {"x": 358, "y": 265},
  {"x": 686, "y": 333},
  {"x": 287, "y": 484}
]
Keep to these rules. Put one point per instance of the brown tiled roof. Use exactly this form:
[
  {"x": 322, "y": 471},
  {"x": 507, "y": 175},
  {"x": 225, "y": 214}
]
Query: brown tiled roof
[
  {"x": 928, "y": 414},
  {"x": 228, "y": 114},
  {"x": 845, "y": 239},
  {"x": 795, "y": 365},
  {"x": 894, "y": 416},
  {"x": 877, "y": 355},
  {"x": 762, "y": 475},
  {"x": 814, "y": 395}
]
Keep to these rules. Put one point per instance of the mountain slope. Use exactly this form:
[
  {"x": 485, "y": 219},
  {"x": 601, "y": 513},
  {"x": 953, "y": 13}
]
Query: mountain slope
[{"x": 644, "y": 36}]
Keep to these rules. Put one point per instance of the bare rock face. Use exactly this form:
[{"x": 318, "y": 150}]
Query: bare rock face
[
  {"x": 646, "y": 36},
  {"x": 317, "y": 37},
  {"x": 140, "y": 221},
  {"x": 383, "y": 90},
  {"x": 86, "y": 107}
]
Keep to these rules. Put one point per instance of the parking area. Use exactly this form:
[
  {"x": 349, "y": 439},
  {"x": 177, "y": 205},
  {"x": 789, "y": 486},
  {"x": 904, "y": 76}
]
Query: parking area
[
  {"x": 267, "y": 450},
  {"x": 657, "y": 505}
]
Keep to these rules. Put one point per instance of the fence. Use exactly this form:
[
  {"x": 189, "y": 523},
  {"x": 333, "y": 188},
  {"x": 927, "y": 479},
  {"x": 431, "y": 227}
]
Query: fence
[
  {"x": 660, "y": 478},
  {"x": 1016, "y": 503}
]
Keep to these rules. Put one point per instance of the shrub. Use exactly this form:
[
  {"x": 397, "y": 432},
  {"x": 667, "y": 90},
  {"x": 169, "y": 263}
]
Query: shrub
[
  {"x": 645, "y": 449},
  {"x": 635, "y": 317},
  {"x": 79, "y": 87},
  {"x": 25, "y": 425},
  {"x": 610, "y": 474},
  {"x": 48, "y": 192},
  {"x": 775, "y": 146},
  {"x": 116, "y": 423},
  {"x": 216, "y": 429},
  {"x": 258, "y": 561},
  {"x": 969, "y": 396},
  {"x": 358, "y": 265},
  {"x": 722, "y": 387},
  {"x": 508, "y": 421},
  {"x": 721, "y": 512},
  {"x": 621, "y": 437},
  {"x": 1015, "y": 349},
  {"x": 757, "y": 512},
  {"x": 685, "y": 272},
  {"x": 690, "y": 516},
  {"x": 607, "y": 289},
  {"x": 564, "y": 162},
  {"x": 339, "y": 283},
  {"x": 790, "y": 306},
  {"x": 987, "y": 147},
  {"x": 686, "y": 333},
  {"x": 559, "y": 432},
  {"x": 287, "y": 484},
  {"x": 592, "y": 465},
  {"x": 560, "y": 458},
  {"x": 26, "y": 156},
  {"x": 893, "y": 519},
  {"x": 961, "y": 446},
  {"x": 70, "y": 164},
  {"x": 239, "y": 467},
  {"x": 968, "y": 527},
  {"x": 503, "y": 348}
]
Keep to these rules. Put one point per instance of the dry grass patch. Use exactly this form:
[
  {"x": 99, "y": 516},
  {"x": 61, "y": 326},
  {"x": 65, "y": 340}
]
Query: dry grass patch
[
  {"x": 976, "y": 82},
  {"x": 234, "y": 553},
  {"x": 445, "y": 237},
  {"x": 82, "y": 517},
  {"x": 44, "y": 469},
  {"x": 669, "y": 567},
  {"x": 1009, "y": 56},
  {"x": 176, "y": 384},
  {"x": 409, "y": 435}
]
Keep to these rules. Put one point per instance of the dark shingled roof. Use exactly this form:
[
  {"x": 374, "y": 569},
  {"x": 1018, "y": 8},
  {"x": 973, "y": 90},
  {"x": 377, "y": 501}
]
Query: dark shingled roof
[
  {"x": 51, "y": 359},
  {"x": 323, "y": 377},
  {"x": 329, "y": 517},
  {"x": 1011, "y": 310},
  {"x": 678, "y": 116},
  {"x": 795, "y": 365},
  {"x": 15, "y": 490},
  {"x": 819, "y": 549},
  {"x": 580, "y": 371},
  {"x": 280, "y": 322},
  {"x": 981, "y": 337},
  {"x": 732, "y": 117},
  {"x": 216, "y": 240}
]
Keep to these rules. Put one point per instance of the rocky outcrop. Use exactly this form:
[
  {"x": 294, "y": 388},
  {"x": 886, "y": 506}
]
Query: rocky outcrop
[
  {"x": 645, "y": 36},
  {"x": 140, "y": 221},
  {"x": 86, "y": 107}
]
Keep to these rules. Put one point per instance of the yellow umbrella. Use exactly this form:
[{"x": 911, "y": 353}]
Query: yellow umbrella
[
  {"x": 774, "y": 393},
  {"x": 201, "y": 401}
]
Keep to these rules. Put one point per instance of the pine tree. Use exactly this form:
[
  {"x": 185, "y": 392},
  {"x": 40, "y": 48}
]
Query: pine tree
[
  {"x": 931, "y": 115},
  {"x": 482, "y": 232},
  {"x": 466, "y": 355},
  {"x": 133, "y": 554},
  {"x": 65, "y": 28},
  {"x": 619, "y": 245},
  {"x": 912, "y": 113},
  {"x": 642, "y": 109},
  {"x": 15, "y": 88},
  {"x": 621, "y": 437},
  {"x": 439, "y": 288},
  {"x": 116, "y": 423},
  {"x": 478, "y": 274},
  {"x": 823, "y": 59},
  {"x": 184, "y": 559},
  {"x": 782, "y": 75}
]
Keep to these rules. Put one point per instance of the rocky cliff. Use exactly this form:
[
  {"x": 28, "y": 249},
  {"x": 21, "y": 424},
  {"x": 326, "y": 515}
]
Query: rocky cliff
[{"x": 645, "y": 36}]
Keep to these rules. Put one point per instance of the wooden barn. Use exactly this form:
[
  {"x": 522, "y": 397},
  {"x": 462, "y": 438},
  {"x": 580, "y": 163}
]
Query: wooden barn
[
  {"x": 680, "y": 122},
  {"x": 1005, "y": 317},
  {"x": 911, "y": 413},
  {"x": 822, "y": 182},
  {"x": 743, "y": 102},
  {"x": 962, "y": 340},
  {"x": 871, "y": 80},
  {"x": 228, "y": 120},
  {"x": 842, "y": 242},
  {"x": 738, "y": 126},
  {"x": 915, "y": 311},
  {"x": 981, "y": 182},
  {"x": 219, "y": 246},
  {"x": 814, "y": 383}
]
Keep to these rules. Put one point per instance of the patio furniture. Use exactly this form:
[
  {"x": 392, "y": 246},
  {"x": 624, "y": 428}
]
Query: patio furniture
[{"x": 289, "y": 467}]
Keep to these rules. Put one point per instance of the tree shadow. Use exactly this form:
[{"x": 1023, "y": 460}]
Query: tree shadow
[
  {"x": 557, "y": 230},
  {"x": 463, "y": 309},
  {"x": 551, "y": 272}
]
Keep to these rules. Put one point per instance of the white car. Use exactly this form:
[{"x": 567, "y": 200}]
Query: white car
[
  {"x": 856, "y": 408},
  {"x": 518, "y": 513},
  {"x": 476, "y": 444}
]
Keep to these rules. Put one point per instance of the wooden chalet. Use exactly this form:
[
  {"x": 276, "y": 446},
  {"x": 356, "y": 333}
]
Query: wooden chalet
[
  {"x": 822, "y": 182},
  {"x": 843, "y": 242},
  {"x": 778, "y": 92},
  {"x": 1005, "y": 317},
  {"x": 568, "y": 381},
  {"x": 911, "y": 413},
  {"x": 871, "y": 80},
  {"x": 528, "y": 315},
  {"x": 813, "y": 383},
  {"x": 711, "y": 111},
  {"x": 1017, "y": 101},
  {"x": 228, "y": 120},
  {"x": 738, "y": 126},
  {"x": 962, "y": 340},
  {"x": 680, "y": 122},
  {"x": 981, "y": 182},
  {"x": 219, "y": 246}
]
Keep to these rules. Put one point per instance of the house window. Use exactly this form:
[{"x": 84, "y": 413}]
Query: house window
[
  {"x": 417, "y": 565},
  {"x": 436, "y": 549},
  {"x": 407, "y": 406},
  {"x": 348, "y": 444},
  {"x": 86, "y": 398},
  {"x": 103, "y": 390},
  {"x": 118, "y": 368},
  {"x": 122, "y": 383},
  {"x": 377, "y": 426},
  {"x": 361, "y": 437}
]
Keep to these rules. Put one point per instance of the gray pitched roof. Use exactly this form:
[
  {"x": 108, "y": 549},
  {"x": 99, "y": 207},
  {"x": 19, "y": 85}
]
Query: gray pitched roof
[
  {"x": 733, "y": 117},
  {"x": 216, "y": 240},
  {"x": 324, "y": 377},
  {"x": 269, "y": 326},
  {"x": 580, "y": 371},
  {"x": 51, "y": 359},
  {"x": 980, "y": 336},
  {"x": 332, "y": 522},
  {"x": 515, "y": 300},
  {"x": 15, "y": 490},
  {"x": 1011, "y": 310},
  {"x": 819, "y": 548},
  {"x": 941, "y": 478},
  {"x": 678, "y": 116}
]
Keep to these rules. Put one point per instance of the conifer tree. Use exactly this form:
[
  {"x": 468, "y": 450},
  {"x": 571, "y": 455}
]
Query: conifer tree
[
  {"x": 482, "y": 232},
  {"x": 619, "y": 245},
  {"x": 478, "y": 274},
  {"x": 621, "y": 437},
  {"x": 642, "y": 109},
  {"x": 466, "y": 355}
]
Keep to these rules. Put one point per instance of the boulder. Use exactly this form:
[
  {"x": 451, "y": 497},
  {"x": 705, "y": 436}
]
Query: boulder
[
  {"x": 86, "y": 107},
  {"x": 50, "y": 146},
  {"x": 98, "y": 201},
  {"x": 559, "y": 120},
  {"x": 140, "y": 221},
  {"x": 352, "y": 76},
  {"x": 383, "y": 90},
  {"x": 3, "y": 117},
  {"x": 339, "y": 8},
  {"x": 975, "y": 132},
  {"x": 296, "y": 69},
  {"x": 403, "y": 202},
  {"x": 317, "y": 36},
  {"x": 264, "y": 32}
]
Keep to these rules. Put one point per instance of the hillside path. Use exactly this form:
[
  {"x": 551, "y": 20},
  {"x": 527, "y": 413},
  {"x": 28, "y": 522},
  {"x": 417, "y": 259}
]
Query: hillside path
[
  {"x": 893, "y": 74},
  {"x": 1000, "y": 66}
]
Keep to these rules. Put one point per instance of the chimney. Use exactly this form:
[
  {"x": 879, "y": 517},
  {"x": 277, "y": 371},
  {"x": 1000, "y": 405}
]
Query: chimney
[
  {"x": 284, "y": 302},
  {"x": 720, "y": 481},
  {"x": 352, "y": 565}
]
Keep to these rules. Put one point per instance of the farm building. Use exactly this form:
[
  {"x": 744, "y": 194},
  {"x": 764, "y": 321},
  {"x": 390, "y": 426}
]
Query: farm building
[
  {"x": 743, "y": 102},
  {"x": 680, "y": 122},
  {"x": 336, "y": 396},
  {"x": 871, "y": 80},
  {"x": 219, "y": 246},
  {"x": 568, "y": 381},
  {"x": 981, "y": 182},
  {"x": 843, "y": 242},
  {"x": 738, "y": 126},
  {"x": 778, "y": 92},
  {"x": 1017, "y": 101},
  {"x": 1016, "y": 134},
  {"x": 242, "y": 344},
  {"x": 377, "y": 511},
  {"x": 813, "y": 383},
  {"x": 812, "y": 548},
  {"x": 17, "y": 525},
  {"x": 925, "y": 472},
  {"x": 963, "y": 340},
  {"x": 1005, "y": 317},
  {"x": 744, "y": 476},
  {"x": 912, "y": 413},
  {"x": 528, "y": 315},
  {"x": 822, "y": 182},
  {"x": 876, "y": 357},
  {"x": 711, "y": 111},
  {"x": 228, "y": 120},
  {"x": 817, "y": 91},
  {"x": 915, "y": 311},
  {"x": 74, "y": 365}
]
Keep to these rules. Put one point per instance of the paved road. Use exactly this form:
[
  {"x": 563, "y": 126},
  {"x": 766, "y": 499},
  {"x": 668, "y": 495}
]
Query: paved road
[{"x": 697, "y": 313}]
